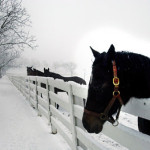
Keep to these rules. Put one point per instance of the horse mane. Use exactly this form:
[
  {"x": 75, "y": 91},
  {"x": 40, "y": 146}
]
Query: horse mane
[{"x": 129, "y": 61}]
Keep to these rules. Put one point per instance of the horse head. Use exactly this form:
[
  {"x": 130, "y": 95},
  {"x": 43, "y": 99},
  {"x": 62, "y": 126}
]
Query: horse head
[
  {"x": 46, "y": 72},
  {"x": 100, "y": 92},
  {"x": 29, "y": 70}
]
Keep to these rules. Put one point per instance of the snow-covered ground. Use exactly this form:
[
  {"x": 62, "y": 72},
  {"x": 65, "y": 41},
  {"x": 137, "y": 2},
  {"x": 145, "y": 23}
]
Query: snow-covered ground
[
  {"x": 125, "y": 119},
  {"x": 20, "y": 127}
]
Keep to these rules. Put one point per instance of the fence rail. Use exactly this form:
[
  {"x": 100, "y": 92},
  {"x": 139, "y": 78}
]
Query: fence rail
[{"x": 44, "y": 100}]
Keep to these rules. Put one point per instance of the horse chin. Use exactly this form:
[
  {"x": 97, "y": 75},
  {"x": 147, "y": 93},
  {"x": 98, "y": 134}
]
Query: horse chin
[
  {"x": 92, "y": 124},
  {"x": 96, "y": 130}
]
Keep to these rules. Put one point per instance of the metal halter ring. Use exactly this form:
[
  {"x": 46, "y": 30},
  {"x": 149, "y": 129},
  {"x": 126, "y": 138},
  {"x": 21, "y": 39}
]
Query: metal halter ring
[
  {"x": 115, "y": 123},
  {"x": 116, "y": 93}
]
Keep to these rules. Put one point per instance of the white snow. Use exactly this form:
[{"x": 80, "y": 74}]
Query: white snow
[{"x": 20, "y": 127}]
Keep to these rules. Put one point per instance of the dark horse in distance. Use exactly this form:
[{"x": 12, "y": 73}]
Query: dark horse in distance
[
  {"x": 115, "y": 78},
  {"x": 65, "y": 79},
  {"x": 33, "y": 72}
]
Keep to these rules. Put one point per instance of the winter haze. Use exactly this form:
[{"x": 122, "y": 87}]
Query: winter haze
[{"x": 65, "y": 29}]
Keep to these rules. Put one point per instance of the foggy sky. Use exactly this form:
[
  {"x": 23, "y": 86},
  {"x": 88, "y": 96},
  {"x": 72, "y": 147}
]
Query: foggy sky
[{"x": 62, "y": 26}]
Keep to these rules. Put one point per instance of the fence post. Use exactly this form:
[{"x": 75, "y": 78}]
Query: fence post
[
  {"x": 29, "y": 90},
  {"x": 73, "y": 121},
  {"x": 54, "y": 130},
  {"x": 23, "y": 85},
  {"x": 36, "y": 96},
  {"x": 20, "y": 84},
  {"x": 26, "y": 87},
  {"x": 48, "y": 100}
]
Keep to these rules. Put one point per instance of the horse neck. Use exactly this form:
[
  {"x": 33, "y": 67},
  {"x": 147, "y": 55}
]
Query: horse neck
[{"x": 134, "y": 76}]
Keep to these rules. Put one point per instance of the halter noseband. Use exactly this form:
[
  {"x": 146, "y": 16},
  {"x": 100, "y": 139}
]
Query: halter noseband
[{"x": 116, "y": 95}]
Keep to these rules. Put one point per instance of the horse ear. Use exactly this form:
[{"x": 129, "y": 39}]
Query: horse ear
[
  {"x": 44, "y": 68},
  {"x": 95, "y": 53},
  {"x": 48, "y": 69},
  {"x": 111, "y": 53}
]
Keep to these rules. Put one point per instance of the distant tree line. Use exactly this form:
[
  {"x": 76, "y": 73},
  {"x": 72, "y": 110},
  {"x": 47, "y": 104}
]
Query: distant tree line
[
  {"x": 70, "y": 67},
  {"x": 14, "y": 32}
]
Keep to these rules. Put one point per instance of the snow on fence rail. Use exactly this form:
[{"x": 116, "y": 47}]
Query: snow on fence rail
[{"x": 40, "y": 92}]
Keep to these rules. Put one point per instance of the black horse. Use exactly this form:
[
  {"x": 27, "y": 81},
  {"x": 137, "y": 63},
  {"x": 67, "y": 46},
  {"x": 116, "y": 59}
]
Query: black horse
[
  {"x": 34, "y": 72},
  {"x": 115, "y": 78},
  {"x": 30, "y": 71},
  {"x": 54, "y": 76},
  {"x": 47, "y": 73},
  {"x": 65, "y": 79},
  {"x": 75, "y": 79}
]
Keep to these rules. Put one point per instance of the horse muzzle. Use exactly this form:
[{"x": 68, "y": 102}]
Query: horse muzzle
[{"x": 92, "y": 123}]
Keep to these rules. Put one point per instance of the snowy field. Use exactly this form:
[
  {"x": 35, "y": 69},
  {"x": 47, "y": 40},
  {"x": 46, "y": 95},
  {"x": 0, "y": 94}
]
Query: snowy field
[
  {"x": 125, "y": 119},
  {"x": 22, "y": 129}
]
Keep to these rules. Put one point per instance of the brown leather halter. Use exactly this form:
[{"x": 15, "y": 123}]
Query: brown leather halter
[{"x": 116, "y": 96}]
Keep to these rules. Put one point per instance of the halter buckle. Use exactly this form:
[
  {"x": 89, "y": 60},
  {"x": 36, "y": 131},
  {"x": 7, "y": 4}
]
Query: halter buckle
[{"x": 116, "y": 81}]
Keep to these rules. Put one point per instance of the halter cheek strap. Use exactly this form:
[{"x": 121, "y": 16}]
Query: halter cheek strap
[{"x": 116, "y": 96}]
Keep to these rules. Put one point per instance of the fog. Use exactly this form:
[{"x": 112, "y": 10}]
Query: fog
[{"x": 65, "y": 29}]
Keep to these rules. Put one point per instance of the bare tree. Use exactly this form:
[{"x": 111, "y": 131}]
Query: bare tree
[
  {"x": 70, "y": 67},
  {"x": 56, "y": 65},
  {"x": 14, "y": 34}
]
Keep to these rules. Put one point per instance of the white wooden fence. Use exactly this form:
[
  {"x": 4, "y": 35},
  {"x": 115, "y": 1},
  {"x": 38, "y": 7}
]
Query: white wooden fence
[{"x": 70, "y": 127}]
